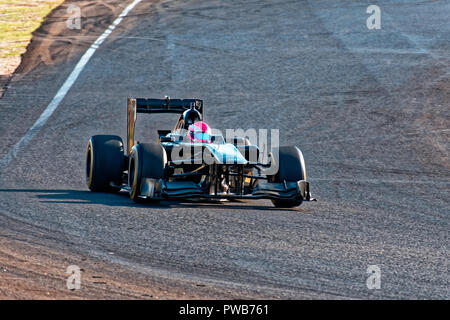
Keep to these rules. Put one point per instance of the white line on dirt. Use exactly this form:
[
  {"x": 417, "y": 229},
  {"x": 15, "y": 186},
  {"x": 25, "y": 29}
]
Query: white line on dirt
[{"x": 12, "y": 153}]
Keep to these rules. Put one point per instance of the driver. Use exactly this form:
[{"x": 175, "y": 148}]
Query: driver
[{"x": 199, "y": 132}]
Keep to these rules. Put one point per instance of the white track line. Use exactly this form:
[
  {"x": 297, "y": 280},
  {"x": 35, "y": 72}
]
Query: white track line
[{"x": 12, "y": 153}]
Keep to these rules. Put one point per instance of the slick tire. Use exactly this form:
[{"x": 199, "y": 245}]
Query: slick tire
[
  {"x": 104, "y": 163},
  {"x": 147, "y": 160},
  {"x": 291, "y": 167}
]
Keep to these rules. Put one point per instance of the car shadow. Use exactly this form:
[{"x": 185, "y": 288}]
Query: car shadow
[{"x": 122, "y": 199}]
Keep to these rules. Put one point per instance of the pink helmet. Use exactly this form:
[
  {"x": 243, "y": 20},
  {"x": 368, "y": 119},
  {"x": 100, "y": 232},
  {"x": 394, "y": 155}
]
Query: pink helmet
[{"x": 200, "y": 132}]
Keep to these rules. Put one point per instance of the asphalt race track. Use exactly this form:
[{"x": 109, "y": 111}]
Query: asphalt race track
[{"x": 368, "y": 108}]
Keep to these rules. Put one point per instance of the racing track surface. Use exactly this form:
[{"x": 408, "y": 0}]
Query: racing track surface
[{"x": 368, "y": 108}]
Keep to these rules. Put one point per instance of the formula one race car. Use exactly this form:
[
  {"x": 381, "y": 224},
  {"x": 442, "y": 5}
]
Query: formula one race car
[{"x": 190, "y": 162}]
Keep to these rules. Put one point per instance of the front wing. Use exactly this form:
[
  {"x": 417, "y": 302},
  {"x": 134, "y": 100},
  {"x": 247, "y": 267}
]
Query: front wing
[{"x": 288, "y": 190}]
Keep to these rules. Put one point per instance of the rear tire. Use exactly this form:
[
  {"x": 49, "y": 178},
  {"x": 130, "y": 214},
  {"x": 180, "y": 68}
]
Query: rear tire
[
  {"x": 104, "y": 163},
  {"x": 291, "y": 167},
  {"x": 147, "y": 160}
]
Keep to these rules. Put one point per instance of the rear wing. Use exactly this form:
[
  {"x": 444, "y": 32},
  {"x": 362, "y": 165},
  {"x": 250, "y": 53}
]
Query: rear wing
[{"x": 167, "y": 105}]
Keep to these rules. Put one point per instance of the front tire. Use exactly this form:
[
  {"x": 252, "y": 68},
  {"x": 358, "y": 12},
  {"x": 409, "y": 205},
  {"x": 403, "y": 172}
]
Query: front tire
[
  {"x": 104, "y": 163},
  {"x": 291, "y": 167},
  {"x": 147, "y": 160}
]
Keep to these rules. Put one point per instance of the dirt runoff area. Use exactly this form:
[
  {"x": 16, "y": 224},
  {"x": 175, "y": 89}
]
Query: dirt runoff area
[
  {"x": 18, "y": 19},
  {"x": 31, "y": 268}
]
